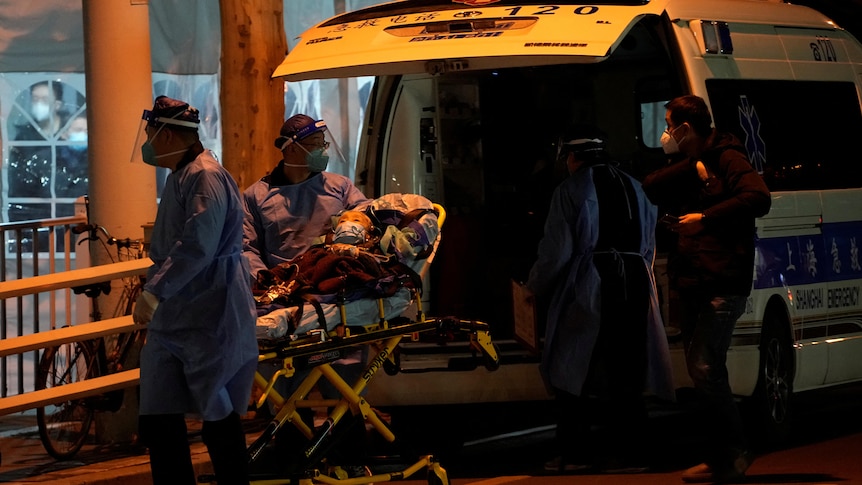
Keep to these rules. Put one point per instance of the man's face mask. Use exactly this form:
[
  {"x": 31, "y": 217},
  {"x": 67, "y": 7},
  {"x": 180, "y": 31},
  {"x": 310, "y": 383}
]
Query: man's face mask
[
  {"x": 148, "y": 152},
  {"x": 316, "y": 160},
  {"x": 40, "y": 111},
  {"x": 669, "y": 143}
]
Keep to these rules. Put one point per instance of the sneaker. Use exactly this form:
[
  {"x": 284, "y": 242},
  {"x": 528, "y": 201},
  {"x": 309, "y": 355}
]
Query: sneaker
[
  {"x": 705, "y": 473},
  {"x": 558, "y": 465}
]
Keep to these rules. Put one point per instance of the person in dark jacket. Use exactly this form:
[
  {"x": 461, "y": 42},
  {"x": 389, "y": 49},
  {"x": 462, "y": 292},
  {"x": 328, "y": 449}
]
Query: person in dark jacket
[{"x": 718, "y": 195}]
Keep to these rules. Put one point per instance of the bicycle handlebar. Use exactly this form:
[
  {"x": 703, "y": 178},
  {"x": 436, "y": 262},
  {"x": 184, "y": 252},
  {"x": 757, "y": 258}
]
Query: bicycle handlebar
[
  {"x": 93, "y": 231},
  {"x": 125, "y": 243}
]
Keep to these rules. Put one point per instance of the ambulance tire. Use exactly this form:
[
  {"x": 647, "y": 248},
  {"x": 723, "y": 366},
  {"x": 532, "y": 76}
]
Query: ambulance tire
[{"x": 770, "y": 407}]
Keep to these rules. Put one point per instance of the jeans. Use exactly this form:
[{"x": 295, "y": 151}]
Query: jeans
[{"x": 707, "y": 323}]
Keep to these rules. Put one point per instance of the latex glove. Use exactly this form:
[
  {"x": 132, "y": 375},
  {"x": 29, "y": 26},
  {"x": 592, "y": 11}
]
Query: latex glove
[{"x": 145, "y": 307}]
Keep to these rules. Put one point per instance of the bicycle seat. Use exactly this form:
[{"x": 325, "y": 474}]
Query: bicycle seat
[{"x": 94, "y": 289}]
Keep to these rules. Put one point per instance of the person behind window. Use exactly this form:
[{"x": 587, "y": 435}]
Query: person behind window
[
  {"x": 719, "y": 195},
  {"x": 72, "y": 163},
  {"x": 201, "y": 351},
  {"x": 605, "y": 342},
  {"x": 31, "y": 166},
  {"x": 46, "y": 110}
]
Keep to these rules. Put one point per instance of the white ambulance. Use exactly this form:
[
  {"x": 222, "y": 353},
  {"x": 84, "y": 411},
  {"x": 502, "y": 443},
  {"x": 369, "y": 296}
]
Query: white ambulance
[{"x": 470, "y": 96}]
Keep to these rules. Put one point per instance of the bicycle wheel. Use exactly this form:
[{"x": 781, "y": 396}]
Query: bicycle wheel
[
  {"x": 64, "y": 426},
  {"x": 117, "y": 347}
]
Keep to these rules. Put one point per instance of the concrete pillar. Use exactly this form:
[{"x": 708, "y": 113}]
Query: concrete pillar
[{"x": 122, "y": 194}]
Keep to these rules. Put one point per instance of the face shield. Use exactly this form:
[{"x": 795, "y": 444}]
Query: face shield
[
  {"x": 316, "y": 143},
  {"x": 586, "y": 146},
  {"x": 587, "y": 152},
  {"x": 143, "y": 151}
]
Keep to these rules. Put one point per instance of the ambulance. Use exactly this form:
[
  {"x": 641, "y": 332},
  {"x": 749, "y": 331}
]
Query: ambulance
[{"x": 470, "y": 96}]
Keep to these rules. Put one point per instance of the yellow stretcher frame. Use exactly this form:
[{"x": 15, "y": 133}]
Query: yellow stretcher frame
[
  {"x": 315, "y": 351},
  {"x": 384, "y": 340}
]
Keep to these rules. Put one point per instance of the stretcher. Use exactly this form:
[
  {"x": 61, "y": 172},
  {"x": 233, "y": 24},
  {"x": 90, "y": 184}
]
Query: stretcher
[{"x": 307, "y": 354}]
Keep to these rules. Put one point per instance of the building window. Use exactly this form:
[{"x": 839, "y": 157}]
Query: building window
[{"x": 46, "y": 145}]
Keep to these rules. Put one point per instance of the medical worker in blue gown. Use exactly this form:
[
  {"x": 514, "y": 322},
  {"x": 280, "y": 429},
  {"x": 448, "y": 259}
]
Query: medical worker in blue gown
[
  {"x": 604, "y": 341},
  {"x": 291, "y": 208},
  {"x": 201, "y": 352}
]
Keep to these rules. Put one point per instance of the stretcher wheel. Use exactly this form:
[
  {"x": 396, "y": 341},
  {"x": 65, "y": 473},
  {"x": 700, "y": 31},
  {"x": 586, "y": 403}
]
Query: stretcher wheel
[
  {"x": 392, "y": 368},
  {"x": 437, "y": 475},
  {"x": 490, "y": 363}
]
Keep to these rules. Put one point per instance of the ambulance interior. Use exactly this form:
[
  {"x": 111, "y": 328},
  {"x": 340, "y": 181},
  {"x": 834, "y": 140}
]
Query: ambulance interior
[{"x": 487, "y": 153}]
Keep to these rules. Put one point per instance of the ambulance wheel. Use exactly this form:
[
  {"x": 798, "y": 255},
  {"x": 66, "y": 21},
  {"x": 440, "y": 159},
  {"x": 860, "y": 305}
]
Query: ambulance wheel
[{"x": 770, "y": 406}]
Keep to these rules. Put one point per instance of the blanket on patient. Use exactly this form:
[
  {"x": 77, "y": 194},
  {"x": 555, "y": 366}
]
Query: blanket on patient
[
  {"x": 403, "y": 228},
  {"x": 328, "y": 274}
]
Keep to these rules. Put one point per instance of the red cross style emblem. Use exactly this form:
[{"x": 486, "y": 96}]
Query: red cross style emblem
[{"x": 475, "y": 3}]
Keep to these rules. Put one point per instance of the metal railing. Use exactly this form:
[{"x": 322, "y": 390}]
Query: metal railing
[{"x": 33, "y": 248}]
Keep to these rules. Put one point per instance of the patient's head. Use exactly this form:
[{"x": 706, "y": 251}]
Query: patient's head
[{"x": 353, "y": 227}]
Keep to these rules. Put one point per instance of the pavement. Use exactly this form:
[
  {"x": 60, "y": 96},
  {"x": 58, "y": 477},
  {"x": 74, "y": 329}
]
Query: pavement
[
  {"x": 525, "y": 443},
  {"x": 23, "y": 459}
]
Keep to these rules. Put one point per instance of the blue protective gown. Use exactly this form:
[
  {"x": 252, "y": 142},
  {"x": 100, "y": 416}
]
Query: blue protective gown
[
  {"x": 283, "y": 220},
  {"x": 201, "y": 351},
  {"x": 565, "y": 271}
]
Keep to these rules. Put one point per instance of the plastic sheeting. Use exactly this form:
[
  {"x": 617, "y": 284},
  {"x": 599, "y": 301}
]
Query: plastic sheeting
[{"x": 43, "y": 172}]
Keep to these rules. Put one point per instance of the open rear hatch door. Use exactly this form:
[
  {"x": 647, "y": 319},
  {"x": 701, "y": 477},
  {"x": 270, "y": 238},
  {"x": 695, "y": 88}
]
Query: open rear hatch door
[{"x": 434, "y": 36}]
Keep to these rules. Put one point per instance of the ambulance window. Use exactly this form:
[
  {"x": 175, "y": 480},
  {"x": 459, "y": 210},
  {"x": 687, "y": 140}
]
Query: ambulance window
[
  {"x": 794, "y": 131},
  {"x": 653, "y": 122},
  {"x": 652, "y": 94}
]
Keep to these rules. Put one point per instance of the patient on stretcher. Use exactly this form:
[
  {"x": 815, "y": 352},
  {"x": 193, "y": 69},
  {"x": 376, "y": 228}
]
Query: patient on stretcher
[
  {"x": 352, "y": 268},
  {"x": 352, "y": 231}
]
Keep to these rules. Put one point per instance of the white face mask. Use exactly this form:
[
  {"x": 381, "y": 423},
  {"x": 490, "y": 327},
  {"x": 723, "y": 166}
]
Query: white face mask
[
  {"x": 78, "y": 136},
  {"x": 78, "y": 140},
  {"x": 669, "y": 143},
  {"x": 40, "y": 111}
]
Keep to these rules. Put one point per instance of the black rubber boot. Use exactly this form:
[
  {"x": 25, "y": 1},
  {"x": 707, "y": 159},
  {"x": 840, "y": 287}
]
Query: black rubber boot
[
  {"x": 166, "y": 437},
  {"x": 225, "y": 440}
]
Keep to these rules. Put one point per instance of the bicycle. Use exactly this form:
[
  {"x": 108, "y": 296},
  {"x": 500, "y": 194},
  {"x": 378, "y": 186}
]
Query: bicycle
[{"x": 64, "y": 427}]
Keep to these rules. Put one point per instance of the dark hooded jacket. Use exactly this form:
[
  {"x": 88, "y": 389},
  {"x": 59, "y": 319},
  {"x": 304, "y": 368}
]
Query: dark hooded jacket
[{"x": 719, "y": 259}]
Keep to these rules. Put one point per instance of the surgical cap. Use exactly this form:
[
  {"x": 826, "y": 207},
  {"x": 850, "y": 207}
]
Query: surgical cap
[
  {"x": 178, "y": 114},
  {"x": 297, "y": 127}
]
